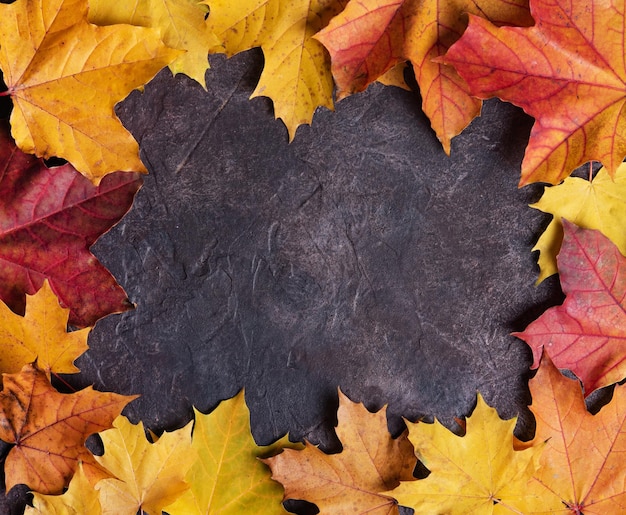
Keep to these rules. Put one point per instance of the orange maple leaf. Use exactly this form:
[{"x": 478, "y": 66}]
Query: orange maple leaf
[
  {"x": 371, "y": 36},
  {"x": 350, "y": 482},
  {"x": 567, "y": 71},
  {"x": 49, "y": 429},
  {"x": 582, "y": 468},
  {"x": 587, "y": 333}
]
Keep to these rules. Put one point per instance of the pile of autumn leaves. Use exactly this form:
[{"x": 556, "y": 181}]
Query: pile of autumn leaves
[{"x": 66, "y": 66}]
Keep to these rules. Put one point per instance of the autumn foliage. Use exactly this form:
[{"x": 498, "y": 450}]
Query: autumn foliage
[
  {"x": 586, "y": 333},
  {"x": 49, "y": 429},
  {"x": 49, "y": 217},
  {"x": 65, "y": 75},
  {"x": 353, "y": 481},
  {"x": 66, "y": 63}
]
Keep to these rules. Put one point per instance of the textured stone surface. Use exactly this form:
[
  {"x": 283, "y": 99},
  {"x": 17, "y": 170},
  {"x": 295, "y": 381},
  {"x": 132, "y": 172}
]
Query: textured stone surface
[{"x": 359, "y": 256}]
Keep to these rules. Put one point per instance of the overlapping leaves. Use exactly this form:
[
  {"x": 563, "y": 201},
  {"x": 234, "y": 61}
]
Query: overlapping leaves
[
  {"x": 480, "y": 472},
  {"x": 354, "y": 480},
  {"x": 582, "y": 467},
  {"x": 49, "y": 217},
  {"x": 567, "y": 71},
  {"x": 554, "y": 66},
  {"x": 592, "y": 204},
  {"x": 225, "y": 448},
  {"x": 183, "y": 25},
  {"x": 587, "y": 333},
  {"x": 49, "y": 429},
  {"x": 296, "y": 75},
  {"x": 215, "y": 471},
  {"x": 64, "y": 75},
  {"x": 371, "y": 36}
]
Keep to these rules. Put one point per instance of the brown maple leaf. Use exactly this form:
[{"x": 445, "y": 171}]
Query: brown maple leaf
[
  {"x": 567, "y": 71},
  {"x": 49, "y": 429},
  {"x": 350, "y": 482},
  {"x": 49, "y": 217},
  {"x": 371, "y": 36},
  {"x": 587, "y": 333}
]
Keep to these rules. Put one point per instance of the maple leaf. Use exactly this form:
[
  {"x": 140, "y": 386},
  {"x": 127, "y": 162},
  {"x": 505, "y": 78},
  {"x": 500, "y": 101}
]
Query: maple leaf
[
  {"x": 183, "y": 26},
  {"x": 480, "y": 472},
  {"x": 297, "y": 74},
  {"x": 40, "y": 335},
  {"x": 366, "y": 40},
  {"x": 79, "y": 499},
  {"x": 49, "y": 217},
  {"x": 395, "y": 77},
  {"x": 227, "y": 477},
  {"x": 582, "y": 465},
  {"x": 148, "y": 476},
  {"x": 599, "y": 204},
  {"x": 371, "y": 36},
  {"x": 587, "y": 333},
  {"x": 49, "y": 429},
  {"x": 65, "y": 75},
  {"x": 353, "y": 481},
  {"x": 567, "y": 71}
]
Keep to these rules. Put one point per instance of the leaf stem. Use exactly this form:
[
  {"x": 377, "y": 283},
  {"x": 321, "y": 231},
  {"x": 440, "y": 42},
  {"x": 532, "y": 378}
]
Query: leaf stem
[
  {"x": 5, "y": 93},
  {"x": 67, "y": 385}
]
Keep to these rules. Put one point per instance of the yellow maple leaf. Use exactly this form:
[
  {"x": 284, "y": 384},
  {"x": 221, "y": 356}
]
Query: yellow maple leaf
[
  {"x": 182, "y": 23},
  {"x": 65, "y": 75},
  {"x": 395, "y": 77},
  {"x": 354, "y": 480},
  {"x": 297, "y": 73},
  {"x": 477, "y": 473},
  {"x": 228, "y": 478},
  {"x": 79, "y": 499},
  {"x": 147, "y": 476},
  {"x": 41, "y": 335},
  {"x": 599, "y": 204}
]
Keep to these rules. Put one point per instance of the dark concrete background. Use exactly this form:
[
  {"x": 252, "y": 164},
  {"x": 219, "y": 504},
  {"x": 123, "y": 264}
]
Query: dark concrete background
[{"x": 358, "y": 256}]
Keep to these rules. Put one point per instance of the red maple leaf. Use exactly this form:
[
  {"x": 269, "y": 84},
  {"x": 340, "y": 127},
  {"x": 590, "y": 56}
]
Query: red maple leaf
[
  {"x": 587, "y": 333},
  {"x": 49, "y": 217},
  {"x": 567, "y": 71},
  {"x": 370, "y": 36}
]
